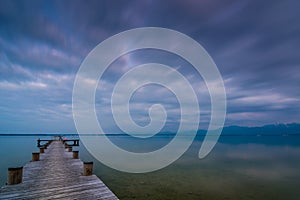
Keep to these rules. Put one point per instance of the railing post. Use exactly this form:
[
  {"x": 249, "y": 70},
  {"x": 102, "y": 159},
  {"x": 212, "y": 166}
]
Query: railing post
[
  {"x": 38, "y": 142},
  {"x": 35, "y": 156},
  {"x": 14, "y": 175},
  {"x": 87, "y": 168}
]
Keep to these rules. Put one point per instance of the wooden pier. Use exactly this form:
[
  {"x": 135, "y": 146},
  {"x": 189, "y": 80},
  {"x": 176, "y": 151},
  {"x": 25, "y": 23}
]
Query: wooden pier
[{"x": 57, "y": 175}]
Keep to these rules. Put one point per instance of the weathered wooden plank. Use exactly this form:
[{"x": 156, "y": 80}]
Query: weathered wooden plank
[{"x": 57, "y": 176}]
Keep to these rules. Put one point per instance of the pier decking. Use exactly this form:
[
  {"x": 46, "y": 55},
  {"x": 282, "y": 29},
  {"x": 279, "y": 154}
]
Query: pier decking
[{"x": 57, "y": 176}]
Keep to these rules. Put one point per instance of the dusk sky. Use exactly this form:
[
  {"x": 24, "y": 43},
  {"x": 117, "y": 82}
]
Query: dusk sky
[{"x": 255, "y": 45}]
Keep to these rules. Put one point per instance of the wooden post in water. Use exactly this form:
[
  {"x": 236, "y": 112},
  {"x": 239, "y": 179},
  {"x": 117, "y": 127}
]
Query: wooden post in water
[
  {"x": 35, "y": 156},
  {"x": 87, "y": 168},
  {"x": 14, "y": 175},
  {"x": 75, "y": 154},
  {"x": 42, "y": 150},
  {"x": 70, "y": 149}
]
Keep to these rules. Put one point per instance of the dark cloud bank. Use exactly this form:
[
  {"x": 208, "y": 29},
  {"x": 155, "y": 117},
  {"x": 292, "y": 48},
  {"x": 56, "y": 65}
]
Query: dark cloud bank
[{"x": 255, "y": 45}]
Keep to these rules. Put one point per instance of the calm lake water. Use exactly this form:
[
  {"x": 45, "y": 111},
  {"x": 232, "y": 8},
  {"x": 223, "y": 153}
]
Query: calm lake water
[{"x": 239, "y": 167}]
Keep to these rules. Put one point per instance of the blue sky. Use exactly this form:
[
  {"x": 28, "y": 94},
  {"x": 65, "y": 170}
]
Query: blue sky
[{"x": 255, "y": 45}]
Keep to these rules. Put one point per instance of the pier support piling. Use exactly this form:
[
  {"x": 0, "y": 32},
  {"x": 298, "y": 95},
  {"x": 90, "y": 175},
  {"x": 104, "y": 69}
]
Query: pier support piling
[
  {"x": 70, "y": 149},
  {"x": 75, "y": 154},
  {"x": 35, "y": 157},
  {"x": 14, "y": 175},
  {"x": 87, "y": 168}
]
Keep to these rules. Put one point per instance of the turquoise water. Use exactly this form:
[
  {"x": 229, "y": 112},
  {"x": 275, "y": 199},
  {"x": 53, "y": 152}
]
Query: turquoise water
[{"x": 239, "y": 167}]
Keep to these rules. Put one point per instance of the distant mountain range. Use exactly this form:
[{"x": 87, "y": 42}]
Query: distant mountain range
[{"x": 271, "y": 129}]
